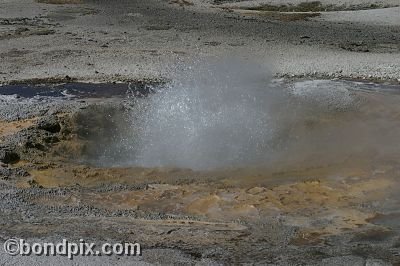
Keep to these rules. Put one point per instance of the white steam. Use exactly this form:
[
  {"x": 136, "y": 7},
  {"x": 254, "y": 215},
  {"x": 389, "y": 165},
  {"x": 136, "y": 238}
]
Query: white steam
[
  {"x": 212, "y": 115},
  {"x": 231, "y": 114}
]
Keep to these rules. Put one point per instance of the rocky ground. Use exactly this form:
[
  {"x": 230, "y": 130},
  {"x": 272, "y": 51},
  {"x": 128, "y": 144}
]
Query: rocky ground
[{"x": 332, "y": 207}]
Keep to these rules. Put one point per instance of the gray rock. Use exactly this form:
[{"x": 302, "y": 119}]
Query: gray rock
[
  {"x": 50, "y": 124},
  {"x": 8, "y": 156}
]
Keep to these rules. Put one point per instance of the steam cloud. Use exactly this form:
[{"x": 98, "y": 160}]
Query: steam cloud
[
  {"x": 232, "y": 114},
  {"x": 213, "y": 115}
]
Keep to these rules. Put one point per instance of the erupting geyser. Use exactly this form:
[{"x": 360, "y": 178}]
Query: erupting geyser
[
  {"x": 211, "y": 116},
  {"x": 231, "y": 114}
]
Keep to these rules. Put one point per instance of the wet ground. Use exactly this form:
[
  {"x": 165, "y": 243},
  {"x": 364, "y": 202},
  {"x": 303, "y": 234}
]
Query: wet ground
[
  {"x": 78, "y": 90},
  {"x": 328, "y": 196}
]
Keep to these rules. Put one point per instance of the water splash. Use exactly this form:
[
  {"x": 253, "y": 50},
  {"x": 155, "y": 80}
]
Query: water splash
[
  {"x": 231, "y": 114},
  {"x": 212, "y": 115}
]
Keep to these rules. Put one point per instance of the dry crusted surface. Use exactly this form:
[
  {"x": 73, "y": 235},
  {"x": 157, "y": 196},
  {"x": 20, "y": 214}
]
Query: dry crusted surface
[
  {"x": 299, "y": 215},
  {"x": 99, "y": 40}
]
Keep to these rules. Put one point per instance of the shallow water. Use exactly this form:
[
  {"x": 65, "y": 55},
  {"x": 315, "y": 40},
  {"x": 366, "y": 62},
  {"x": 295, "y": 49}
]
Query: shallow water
[
  {"x": 222, "y": 117},
  {"x": 77, "y": 90},
  {"x": 308, "y": 123}
]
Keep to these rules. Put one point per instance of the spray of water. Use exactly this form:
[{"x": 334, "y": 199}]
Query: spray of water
[
  {"x": 212, "y": 115},
  {"x": 231, "y": 114}
]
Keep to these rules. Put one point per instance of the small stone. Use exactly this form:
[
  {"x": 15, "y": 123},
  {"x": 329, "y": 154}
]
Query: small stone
[
  {"x": 8, "y": 156},
  {"x": 50, "y": 124}
]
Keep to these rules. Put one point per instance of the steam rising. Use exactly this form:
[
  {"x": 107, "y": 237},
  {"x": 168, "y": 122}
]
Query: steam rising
[
  {"x": 231, "y": 114},
  {"x": 214, "y": 115}
]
